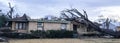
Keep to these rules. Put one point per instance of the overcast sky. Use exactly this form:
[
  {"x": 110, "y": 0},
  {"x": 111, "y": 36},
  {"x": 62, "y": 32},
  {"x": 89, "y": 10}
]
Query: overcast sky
[{"x": 40, "y": 8}]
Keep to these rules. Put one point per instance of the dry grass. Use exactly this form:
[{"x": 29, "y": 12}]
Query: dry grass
[
  {"x": 65, "y": 41},
  {"x": 3, "y": 42}
]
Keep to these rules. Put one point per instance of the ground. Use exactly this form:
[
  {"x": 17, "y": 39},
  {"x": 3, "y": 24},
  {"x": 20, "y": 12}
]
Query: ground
[{"x": 97, "y": 40}]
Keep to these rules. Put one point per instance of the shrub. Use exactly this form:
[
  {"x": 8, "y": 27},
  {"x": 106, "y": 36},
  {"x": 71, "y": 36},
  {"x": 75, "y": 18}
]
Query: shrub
[
  {"x": 10, "y": 35},
  {"x": 59, "y": 34},
  {"x": 6, "y": 30},
  {"x": 38, "y": 33},
  {"x": 41, "y": 34},
  {"x": 18, "y": 35},
  {"x": 53, "y": 33}
]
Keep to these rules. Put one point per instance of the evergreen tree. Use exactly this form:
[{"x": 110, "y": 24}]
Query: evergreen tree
[{"x": 3, "y": 19}]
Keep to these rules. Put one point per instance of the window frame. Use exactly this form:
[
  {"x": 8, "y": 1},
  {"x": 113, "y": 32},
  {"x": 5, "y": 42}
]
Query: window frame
[
  {"x": 40, "y": 25},
  {"x": 63, "y": 25},
  {"x": 20, "y": 26}
]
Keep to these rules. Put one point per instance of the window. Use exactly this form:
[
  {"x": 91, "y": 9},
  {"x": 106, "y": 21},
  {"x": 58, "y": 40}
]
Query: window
[
  {"x": 20, "y": 26},
  {"x": 24, "y": 25},
  {"x": 16, "y": 26},
  {"x": 40, "y": 26},
  {"x": 63, "y": 26}
]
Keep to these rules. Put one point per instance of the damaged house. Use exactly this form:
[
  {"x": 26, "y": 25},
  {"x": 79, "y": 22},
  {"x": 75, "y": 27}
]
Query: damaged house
[{"x": 25, "y": 24}]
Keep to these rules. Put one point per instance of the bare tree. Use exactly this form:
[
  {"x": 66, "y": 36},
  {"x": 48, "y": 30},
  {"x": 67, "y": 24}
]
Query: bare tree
[
  {"x": 107, "y": 23},
  {"x": 10, "y": 13}
]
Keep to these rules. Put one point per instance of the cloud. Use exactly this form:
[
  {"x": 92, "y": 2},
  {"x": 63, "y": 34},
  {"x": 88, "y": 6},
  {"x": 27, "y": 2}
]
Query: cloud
[
  {"x": 5, "y": 2},
  {"x": 4, "y": 6},
  {"x": 111, "y": 12},
  {"x": 40, "y": 8}
]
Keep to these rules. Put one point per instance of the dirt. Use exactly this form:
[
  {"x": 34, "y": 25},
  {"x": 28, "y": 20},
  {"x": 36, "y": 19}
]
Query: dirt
[{"x": 98, "y": 40}]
